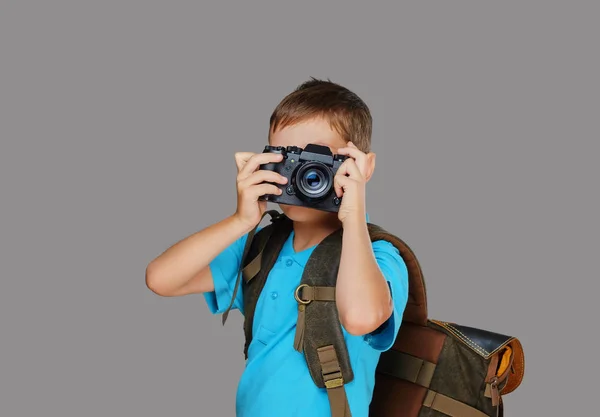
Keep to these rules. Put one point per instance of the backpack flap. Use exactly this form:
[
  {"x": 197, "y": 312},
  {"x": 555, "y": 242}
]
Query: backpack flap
[
  {"x": 505, "y": 354},
  {"x": 495, "y": 361}
]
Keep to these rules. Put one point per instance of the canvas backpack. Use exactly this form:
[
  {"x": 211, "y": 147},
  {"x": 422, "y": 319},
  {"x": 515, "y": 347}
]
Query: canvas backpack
[{"x": 434, "y": 369}]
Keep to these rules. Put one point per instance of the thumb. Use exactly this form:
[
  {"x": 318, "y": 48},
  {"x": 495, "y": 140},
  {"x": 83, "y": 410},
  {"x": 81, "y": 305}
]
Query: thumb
[
  {"x": 340, "y": 182},
  {"x": 241, "y": 158}
]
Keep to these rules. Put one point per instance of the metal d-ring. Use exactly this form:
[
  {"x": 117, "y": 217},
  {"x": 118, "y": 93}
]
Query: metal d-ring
[{"x": 297, "y": 295}]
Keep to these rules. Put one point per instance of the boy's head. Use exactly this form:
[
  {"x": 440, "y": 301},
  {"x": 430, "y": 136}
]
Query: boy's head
[
  {"x": 317, "y": 101},
  {"x": 324, "y": 113}
]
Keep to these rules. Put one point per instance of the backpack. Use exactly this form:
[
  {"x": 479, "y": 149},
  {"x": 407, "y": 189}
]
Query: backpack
[{"x": 434, "y": 369}]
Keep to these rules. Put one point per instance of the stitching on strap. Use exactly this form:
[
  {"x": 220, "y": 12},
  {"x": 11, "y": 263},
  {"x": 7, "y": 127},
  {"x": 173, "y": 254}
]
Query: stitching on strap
[
  {"x": 470, "y": 342},
  {"x": 463, "y": 338}
]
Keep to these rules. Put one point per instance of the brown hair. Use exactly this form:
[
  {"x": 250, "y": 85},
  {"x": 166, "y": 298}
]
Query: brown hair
[{"x": 345, "y": 111}]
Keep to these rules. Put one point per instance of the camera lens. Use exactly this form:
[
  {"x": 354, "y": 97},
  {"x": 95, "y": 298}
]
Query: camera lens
[{"x": 314, "y": 180}]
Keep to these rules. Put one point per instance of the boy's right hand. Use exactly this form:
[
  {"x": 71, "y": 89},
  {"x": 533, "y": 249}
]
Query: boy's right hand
[{"x": 252, "y": 183}]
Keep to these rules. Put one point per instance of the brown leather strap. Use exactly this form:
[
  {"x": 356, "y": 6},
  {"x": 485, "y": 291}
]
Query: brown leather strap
[
  {"x": 253, "y": 267},
  {"x": 300, "y": 324},
  {"x": 492, "y": 367},
  {"x": 304, "y": 295},
  {"x": 492, "y": 391},
  {"x": 308, "y": 293},
  {"x": 449, "y": 406},
  {"x": 407, "y": 367},
  {"x": 334, "y": 383}
]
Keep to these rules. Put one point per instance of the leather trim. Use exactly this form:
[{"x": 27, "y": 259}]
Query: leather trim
[
  {"x": 518, "y": 365},
  {"x": 482, "y": 342}
]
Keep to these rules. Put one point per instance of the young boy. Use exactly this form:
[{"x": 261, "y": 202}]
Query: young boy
[{"x": 372, "y": 283}]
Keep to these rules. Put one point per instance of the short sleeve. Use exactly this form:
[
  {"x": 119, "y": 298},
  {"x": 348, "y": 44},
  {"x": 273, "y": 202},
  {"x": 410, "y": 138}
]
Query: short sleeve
[
  {"x": 224, "y": 269},
  {"x": 395, "y": 272}
]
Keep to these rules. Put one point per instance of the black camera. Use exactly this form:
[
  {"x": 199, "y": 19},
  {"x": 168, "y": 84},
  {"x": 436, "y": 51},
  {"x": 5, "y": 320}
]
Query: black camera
[{"x": 310, "y": 173}]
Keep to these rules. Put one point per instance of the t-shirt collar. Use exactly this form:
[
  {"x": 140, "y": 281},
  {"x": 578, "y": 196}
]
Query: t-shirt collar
[{"x": 300, "y": 257}]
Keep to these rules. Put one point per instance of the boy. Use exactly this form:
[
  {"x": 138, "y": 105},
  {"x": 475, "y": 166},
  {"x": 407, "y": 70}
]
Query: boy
[{"x": 372, "y": 283}]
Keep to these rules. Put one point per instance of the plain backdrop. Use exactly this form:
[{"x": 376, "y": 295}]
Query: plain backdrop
[{"x": 118, "y": 125}]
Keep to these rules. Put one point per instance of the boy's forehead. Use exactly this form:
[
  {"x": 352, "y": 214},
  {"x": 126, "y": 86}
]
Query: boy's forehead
[{"x": 317, "y": 131}]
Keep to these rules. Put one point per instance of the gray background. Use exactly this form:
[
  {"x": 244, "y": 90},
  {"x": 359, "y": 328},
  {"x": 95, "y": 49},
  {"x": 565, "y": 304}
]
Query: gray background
[{"x": 119, "y": 121}]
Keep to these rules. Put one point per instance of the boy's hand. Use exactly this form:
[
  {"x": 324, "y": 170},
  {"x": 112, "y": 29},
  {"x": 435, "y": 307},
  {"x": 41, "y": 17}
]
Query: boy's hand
[
  {"x": 253, "y": 183},
  {"x": 350, "y": 181}
]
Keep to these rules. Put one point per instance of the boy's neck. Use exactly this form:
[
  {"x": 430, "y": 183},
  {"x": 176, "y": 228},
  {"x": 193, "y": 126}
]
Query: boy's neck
[{"x": 308, "y": 234}]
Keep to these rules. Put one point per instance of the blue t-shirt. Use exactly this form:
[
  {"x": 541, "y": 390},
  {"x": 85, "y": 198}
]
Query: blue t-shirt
[{"x": 276, "y": 380}]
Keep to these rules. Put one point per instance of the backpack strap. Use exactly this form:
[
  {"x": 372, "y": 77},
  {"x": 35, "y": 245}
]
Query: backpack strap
[
  {"x": 449, "y": 406},
  {"x": 318, "y": 331},
  {"x": 256, "y": 265},
  {"x": 274, "y": 215}
]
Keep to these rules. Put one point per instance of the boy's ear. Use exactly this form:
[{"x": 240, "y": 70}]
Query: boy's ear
[{"x": 370, "y": 165}]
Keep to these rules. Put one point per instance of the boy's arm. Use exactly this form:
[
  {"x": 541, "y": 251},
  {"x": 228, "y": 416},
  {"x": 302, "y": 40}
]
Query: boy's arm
[
  {"x": 395, "y": 272},
  {"x": 372, "y": 286},
  {"x": 365, "y": 282},
  {"x": 184, "y": 267}
]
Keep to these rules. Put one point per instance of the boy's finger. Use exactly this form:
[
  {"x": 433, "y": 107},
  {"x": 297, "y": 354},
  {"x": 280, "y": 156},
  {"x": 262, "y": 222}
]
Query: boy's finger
[
  {"x": 241, "y": 158},
  {"x": 343, "y": 169},
  {"x": 263, "y": 189},
  {"x": 354, "y": 153},
  {"x": 339, "y": 182},
  {"x": 261, "y": 176},
  {"x": 362, "y": 159},
  {"x": 258, "y": 159},
  {"x": 350, "y": 168}
]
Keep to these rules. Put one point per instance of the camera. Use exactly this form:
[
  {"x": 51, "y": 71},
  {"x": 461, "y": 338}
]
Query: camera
[{"x": 310, "y": 171}]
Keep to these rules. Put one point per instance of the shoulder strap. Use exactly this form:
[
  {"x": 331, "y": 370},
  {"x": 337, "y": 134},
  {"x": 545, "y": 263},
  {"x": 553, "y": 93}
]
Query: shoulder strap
[
  {"x": 250, "y": 239},
  {"x": 318, "y": 331},
  {"x": 416, "y": 308},
  {"x": 256, "y": 266}
]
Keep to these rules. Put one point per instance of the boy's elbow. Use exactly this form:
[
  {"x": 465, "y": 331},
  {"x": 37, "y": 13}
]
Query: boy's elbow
[
  {"x": 359, "y": 323},
  {"x": 357, "y": 328},
  {"x": 154, "y": 280}
]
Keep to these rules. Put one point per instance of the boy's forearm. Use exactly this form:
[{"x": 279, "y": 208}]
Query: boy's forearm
[
  {"x": 185, "y": 259},
  {"x": 362, "y": 294}
]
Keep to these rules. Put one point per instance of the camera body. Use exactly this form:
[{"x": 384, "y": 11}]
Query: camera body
[{"x": 310, "y": 173}]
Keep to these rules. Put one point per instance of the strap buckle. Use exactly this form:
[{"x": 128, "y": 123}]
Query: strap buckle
[
  {"x": 297, "y": 295},
  {"x": 334, "y": 383}
]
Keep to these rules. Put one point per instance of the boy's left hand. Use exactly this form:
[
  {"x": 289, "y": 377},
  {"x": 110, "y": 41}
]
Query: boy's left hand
[{"x": 350, "y": 181}]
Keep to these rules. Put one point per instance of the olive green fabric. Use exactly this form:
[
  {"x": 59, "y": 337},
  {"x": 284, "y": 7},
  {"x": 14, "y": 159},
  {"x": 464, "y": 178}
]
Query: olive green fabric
[
  {"x": 276, "y": 233},
  {"x": 460, "y": 374},
  {"x": 321, "y": 270}
]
